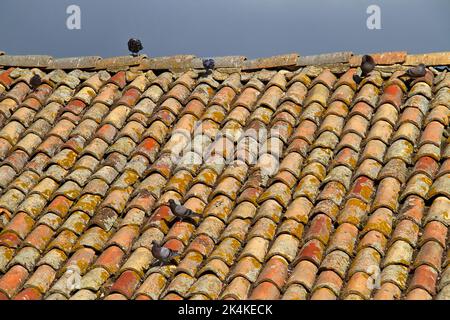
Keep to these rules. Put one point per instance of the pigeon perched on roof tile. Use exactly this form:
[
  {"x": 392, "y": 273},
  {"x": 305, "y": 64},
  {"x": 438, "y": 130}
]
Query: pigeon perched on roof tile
[
  {"x": 357, "y": 78},
  {"x": 367, "y": 65},
  {"x": 181, "y": 211},
  {"x": 35, "y": 81},
  {"x": 209, "y": 65},
  {"x": 134, "y": 46},
  {"x": 163, "y": 254},
  {"x": 417, "y": 71}
]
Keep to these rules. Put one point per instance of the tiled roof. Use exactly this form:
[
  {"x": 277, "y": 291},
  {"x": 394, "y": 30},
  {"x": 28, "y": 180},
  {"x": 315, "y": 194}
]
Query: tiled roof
[{"x": 350, "y": 185}]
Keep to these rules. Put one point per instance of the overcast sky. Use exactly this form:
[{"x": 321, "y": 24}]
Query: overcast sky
[{"x": 254, "y": 28}]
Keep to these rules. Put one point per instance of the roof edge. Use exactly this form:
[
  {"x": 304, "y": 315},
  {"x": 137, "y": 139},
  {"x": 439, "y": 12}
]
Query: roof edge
[{"x": 186, "y": 62}]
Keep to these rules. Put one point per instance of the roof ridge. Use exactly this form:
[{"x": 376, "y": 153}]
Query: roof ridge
[{"x": 186, "y": 62}]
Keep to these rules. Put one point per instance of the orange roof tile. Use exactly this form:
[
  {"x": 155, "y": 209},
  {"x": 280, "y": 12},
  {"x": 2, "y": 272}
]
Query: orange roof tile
[{"x": 308, "y": 185}]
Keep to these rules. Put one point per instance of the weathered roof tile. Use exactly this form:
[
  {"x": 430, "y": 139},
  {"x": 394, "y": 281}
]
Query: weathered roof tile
[{"x": 350, "y": 179}]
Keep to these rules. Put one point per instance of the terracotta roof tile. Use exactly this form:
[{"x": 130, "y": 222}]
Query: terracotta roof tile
[
  {"x": 13, "y": 280},
  {"x": 28, "y": 294},
  {"x": 438, "y": 58},
  {"x": 351, "y": 179}
]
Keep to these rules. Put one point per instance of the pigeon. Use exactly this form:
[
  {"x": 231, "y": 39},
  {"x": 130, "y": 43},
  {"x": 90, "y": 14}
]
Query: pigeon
[
  {"x": 134, "y": 46},
  {"x": 441, "y": 68},
  {"x": 163, "y": 254},
  {"x": 417, "y": 72},
  {"x": 367, "y": 65},
  {"x": 182, "y": 212},
  {"x": 208, "y": 64},
  {"x": 357, "y": 78},
  {"x": 35, "y": 81}
]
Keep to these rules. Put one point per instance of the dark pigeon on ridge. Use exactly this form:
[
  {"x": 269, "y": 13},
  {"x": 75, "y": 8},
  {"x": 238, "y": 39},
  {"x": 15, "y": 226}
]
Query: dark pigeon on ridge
[
  {"x": 367, "y": 65},
  {"x": 208, "y": 64},
  {"x": 134, "y": 46}
]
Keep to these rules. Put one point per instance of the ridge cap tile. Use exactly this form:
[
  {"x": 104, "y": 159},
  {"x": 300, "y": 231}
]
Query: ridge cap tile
[
  {"x": 325, "y": 58},
  {"x": 382, "y": 58},
  {"x": 118, "y": 61},
  {"x": 284, "y": 60},
  {"x": 429, "y": 59},
  {"x": 221, "y": 62},
  {"x": 176, "y": 62},
  {"x": 84, "y": 62},
  {"x": 25, "y": 60}
]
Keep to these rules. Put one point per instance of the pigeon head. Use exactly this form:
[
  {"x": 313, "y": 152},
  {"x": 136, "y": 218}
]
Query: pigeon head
[
  {"x": 421, "y": 68},
  {"x": 368, "y": 59},
  {"x": 155, "y": 243},
  {"x": 208, "y": 64},
  {"x": 135, "y": 45},
  {"x": 172, "y": 202}
]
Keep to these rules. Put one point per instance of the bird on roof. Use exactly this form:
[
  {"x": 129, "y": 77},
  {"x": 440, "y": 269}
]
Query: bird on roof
[
  {"x": 417, "y": 71},
  {"x": 35, "y": 81},
  {"x": 357, "y": 78},
  {"x": 182, "y": 212},
  {"x": 367, "y": 65},
  {"x": 162, "y": 254},
  {"x": 208, "y": 64},
  {"x": 441, "y": 68},
  {"x": 134, "y": 46}
]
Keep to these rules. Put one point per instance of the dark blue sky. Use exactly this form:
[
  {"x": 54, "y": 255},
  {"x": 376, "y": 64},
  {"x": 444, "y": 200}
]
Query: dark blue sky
[{"x": 254, "y": 28}]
